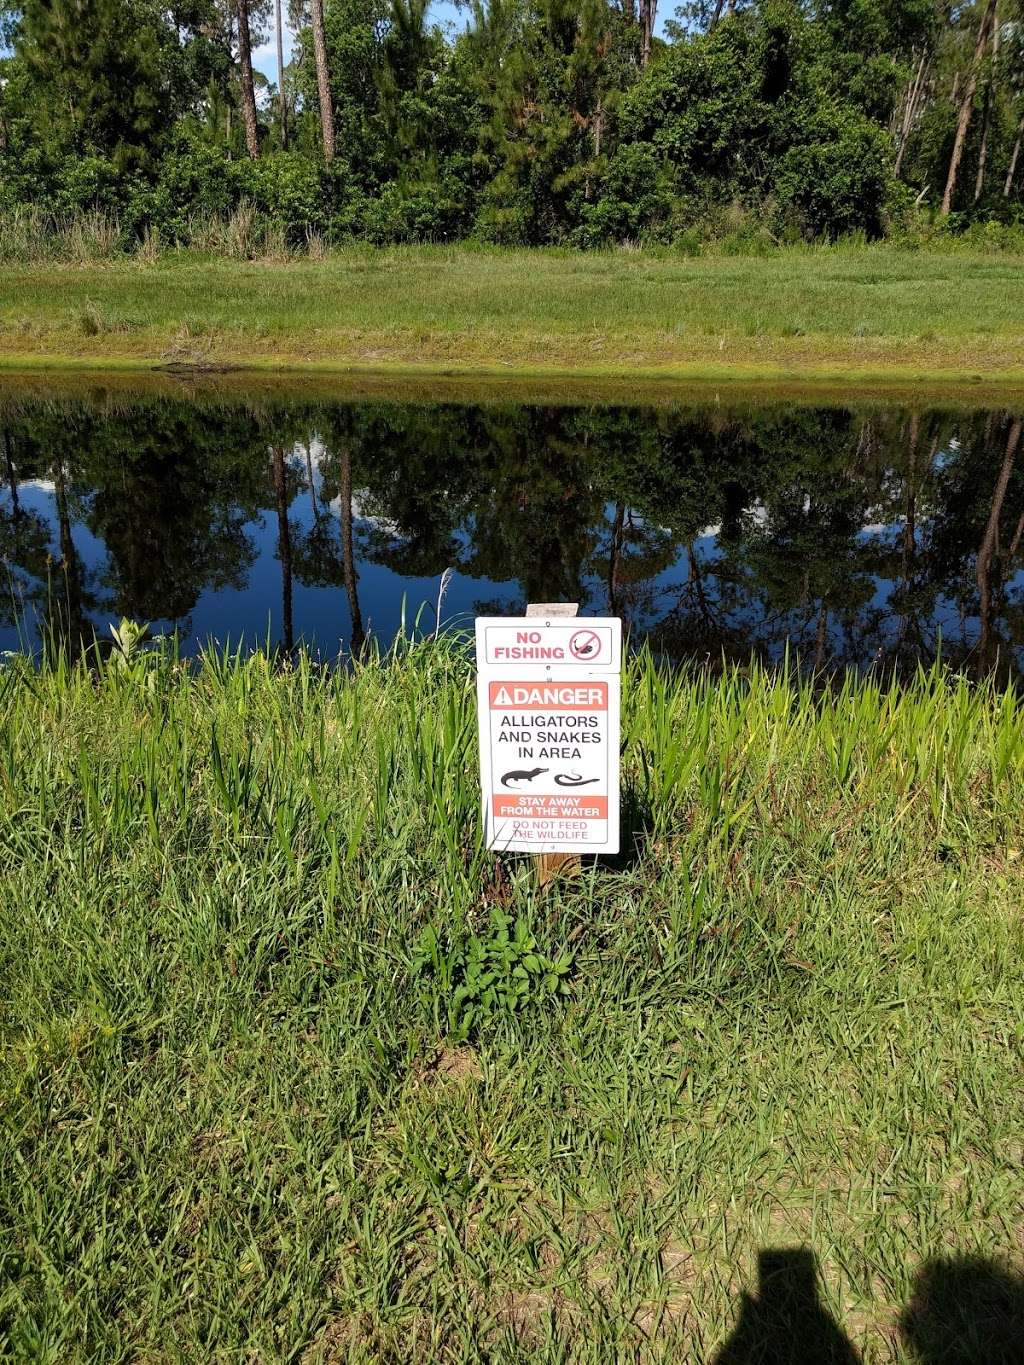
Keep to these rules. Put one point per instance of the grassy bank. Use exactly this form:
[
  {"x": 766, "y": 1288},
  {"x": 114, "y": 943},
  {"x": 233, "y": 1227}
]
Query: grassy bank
[
  {"x": 246, "y": 1112},
  {"x": 841, "y": 314}
]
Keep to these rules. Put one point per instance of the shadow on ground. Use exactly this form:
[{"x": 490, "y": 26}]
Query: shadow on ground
[
  {"x": 964, "y": 1310},
  {"x": 785, "y": 1321}
]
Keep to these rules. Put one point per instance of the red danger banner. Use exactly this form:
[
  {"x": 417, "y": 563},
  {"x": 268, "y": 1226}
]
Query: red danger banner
[{"x": 545, "y": 696}]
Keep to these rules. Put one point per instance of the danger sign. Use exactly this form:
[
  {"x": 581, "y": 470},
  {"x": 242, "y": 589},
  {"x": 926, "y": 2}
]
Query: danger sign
[{"x": 549, "y": 734}]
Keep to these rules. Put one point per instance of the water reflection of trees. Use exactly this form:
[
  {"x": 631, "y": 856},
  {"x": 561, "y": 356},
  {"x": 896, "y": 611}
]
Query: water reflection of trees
[
  {"x": 167, "y": 491},
  {"x": 855, "y": 534}
]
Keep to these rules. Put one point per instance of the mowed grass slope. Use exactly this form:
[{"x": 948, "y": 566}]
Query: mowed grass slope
[
  {"x": 235, "y": 1124},
  {"x": 829, "y": 313}
]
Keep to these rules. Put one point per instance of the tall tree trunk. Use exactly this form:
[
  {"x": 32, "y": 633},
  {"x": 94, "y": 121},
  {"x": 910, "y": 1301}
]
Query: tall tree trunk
[
  {"x": 252, "y": 135},
  {"x": 909, "y": 525},
  {"x": 227, "y": 87},
  {"x": 357, "y": 635},
  {"x": 989, "y": 542},
  {"x": 73, "y": 622},
  {"x": 284, "y": 551},
  {"x": 282, "y": 99},
  {"x": 323, "y": 81},
  {"x": 311, "y": 479},
  {"x": 716, "y": 15},
  {"x": 986, "y": 119},
  {"x": 614, "y": 556},
  {"x": 910, "y": 112},
  {"x": 597, "y": 126},
  {"x": 696, "y": 577},
  {"x": 1013, "y": 159},
  {"x": 909, "y": 528},
  {"x": 979, "y": 179},
  {"x": 967, "y": 106},
  {"x": 648, "y": 10}
]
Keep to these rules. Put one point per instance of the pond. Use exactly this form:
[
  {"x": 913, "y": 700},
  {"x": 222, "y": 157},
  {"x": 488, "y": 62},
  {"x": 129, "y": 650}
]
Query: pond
[{"x": 850, "y": 533}]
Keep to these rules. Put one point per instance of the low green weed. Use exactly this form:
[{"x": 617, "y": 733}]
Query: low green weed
[{"x": 488, "y": 977}]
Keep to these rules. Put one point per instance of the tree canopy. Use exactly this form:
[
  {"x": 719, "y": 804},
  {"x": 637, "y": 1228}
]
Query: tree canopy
[{"x": 542, "y": 121}]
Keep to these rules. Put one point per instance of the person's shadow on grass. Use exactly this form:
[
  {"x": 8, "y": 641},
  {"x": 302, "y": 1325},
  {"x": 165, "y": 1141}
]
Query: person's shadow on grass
[
  {"x": 785, "y": 1323},
  {"x": 966, "y": 1310}
]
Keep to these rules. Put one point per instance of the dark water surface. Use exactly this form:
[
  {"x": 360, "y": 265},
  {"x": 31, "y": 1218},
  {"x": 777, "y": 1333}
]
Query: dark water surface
[{"x": 853, "y": 533}]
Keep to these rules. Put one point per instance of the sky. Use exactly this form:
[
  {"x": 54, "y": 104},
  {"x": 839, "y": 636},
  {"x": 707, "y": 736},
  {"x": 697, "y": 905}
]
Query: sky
[{"x": 265, "y": 57}]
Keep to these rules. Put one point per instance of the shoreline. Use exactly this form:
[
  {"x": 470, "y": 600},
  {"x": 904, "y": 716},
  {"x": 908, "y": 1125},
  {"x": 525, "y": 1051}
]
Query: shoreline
[
  {"x": 69, "y": 375},
  {"x": 857, "y": 318}
]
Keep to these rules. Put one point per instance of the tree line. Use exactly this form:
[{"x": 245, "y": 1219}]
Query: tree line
[{"x": 542, "y": 121}]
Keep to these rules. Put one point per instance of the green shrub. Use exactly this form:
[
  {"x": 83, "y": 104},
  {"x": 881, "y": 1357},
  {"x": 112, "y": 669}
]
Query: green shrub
[
  {"x": 429, "y": 212},
  {"x": 86, "y": 184},
  {"x": 635, "y": 203},
  {"x": 839, "y": 180},
  {"x": 287, "y": 189},
  {"x": 477, "y": 981},
  {"x": 195, "y": 183}
]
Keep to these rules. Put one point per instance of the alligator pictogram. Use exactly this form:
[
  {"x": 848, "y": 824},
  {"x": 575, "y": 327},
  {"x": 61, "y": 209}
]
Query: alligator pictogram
[{"x": 522, "y": 775}]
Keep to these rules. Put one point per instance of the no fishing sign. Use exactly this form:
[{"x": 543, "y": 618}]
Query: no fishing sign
[{"x": 548, "y": 708}]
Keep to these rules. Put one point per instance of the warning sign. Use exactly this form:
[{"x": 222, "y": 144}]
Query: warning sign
[
  {"x": 549, "y": 735},
  {"x": 530, "y": 640}
]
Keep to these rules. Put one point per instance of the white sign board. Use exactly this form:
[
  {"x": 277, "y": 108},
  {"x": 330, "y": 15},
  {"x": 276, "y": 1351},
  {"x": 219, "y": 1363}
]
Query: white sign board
[{"x": 548, "y": 708}]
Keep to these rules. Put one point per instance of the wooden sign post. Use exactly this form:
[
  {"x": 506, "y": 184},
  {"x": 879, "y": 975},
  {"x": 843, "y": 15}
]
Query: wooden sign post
[{"x": 548, "y": 710}]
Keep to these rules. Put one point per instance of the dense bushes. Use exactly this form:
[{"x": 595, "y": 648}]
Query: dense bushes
[
  {"x": 540, "y": 125},
  {"x": 839, "y": 181}
]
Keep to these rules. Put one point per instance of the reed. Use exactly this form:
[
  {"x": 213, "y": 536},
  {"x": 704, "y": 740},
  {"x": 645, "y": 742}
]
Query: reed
[
  {"x": 237, "y": 897},
  {"x": 28, "y": 236}
]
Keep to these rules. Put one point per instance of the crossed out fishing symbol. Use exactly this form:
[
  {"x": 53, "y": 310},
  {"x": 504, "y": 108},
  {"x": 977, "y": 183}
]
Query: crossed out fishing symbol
[{"x": 584, "y": 644}]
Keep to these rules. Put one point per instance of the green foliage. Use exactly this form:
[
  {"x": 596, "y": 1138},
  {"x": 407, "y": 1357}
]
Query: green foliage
[
  {"x": 229, "y": 1131},
  {"x": 746, "y": 114},
  {"x": 289, "y": 190},
  {"x": 838, "y": 181},
  {"x": 354, "y": 45},
  {"x": 194, "y": 181},
  {"x": 540, "y": 124},
  {"x": 636, "y": 200},
  {"x": 551, "y": 83},
  {"x": 112, "y": 76},
  {"x": 479, "y": 980}
]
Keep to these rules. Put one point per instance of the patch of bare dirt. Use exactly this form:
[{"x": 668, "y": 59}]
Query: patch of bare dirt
[{"x": 450, "y": 1064}]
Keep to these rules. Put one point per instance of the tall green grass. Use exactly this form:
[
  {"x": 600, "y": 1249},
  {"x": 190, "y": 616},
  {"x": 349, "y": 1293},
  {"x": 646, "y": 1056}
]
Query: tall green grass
[
  {"x": 233, "y": 1125},
  {"x": 31, "y": 235}
]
